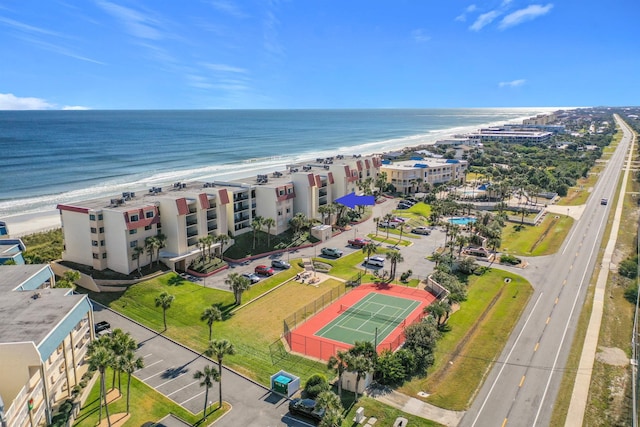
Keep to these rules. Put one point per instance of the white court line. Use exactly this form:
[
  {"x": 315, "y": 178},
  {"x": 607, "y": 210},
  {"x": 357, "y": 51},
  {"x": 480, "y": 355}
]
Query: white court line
[
  {"x": 182, "y": 388},
  {"x": 192, "y": 397},
  {"x": 145, "y": 379},
  {"x": 148, "y": 366}
]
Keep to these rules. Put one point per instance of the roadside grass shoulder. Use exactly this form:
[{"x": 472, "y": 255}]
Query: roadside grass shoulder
[
  {"x": 543, "y": 239},
  {"x": 477, "y": 334},
  {"x": 385, "y": 415},
  {"x": 147, "y": 405}
]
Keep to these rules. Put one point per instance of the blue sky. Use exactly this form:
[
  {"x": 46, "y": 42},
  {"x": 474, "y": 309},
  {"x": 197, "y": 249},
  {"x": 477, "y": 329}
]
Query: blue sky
[{"x": 191, "y": 54}]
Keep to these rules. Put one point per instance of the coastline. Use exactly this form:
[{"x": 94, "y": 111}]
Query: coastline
[{"x": 24, "y": 224}]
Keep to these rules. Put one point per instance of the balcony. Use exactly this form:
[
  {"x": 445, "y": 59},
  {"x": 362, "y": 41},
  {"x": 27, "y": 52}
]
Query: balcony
[
  {"x": 192, "y": 220},
  {"x": 212, "y": 225},
  {"x": 240, "y": 218},
  {"x": 240, "y": 196},
  {"x": 239, "y": 207},
  {"x": 192, "y": 241},
  {"x": 211, "y": 214},
  {"x": 322, "y": 192}
]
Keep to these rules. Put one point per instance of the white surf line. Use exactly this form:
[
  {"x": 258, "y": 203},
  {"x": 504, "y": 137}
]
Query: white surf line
[
  {"x": 148, "y": 366},
  {"x": 148, "y": 378},
  {"x": 566, "y": 326},
  {"x": 181, "y": 388},
  {"x": 506, "y": 361},
  {"x": 192, "y": 397},
  {"x": 167, "y": 382}
]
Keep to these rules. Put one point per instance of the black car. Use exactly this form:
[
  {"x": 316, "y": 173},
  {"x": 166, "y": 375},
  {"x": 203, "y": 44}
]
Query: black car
[
  {"x": 101, "y": 326},
  {"x": 306, "y": 408}
]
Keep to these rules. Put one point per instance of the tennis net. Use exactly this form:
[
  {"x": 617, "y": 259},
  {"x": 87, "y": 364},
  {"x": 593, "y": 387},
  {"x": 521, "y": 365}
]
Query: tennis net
[{"x": 370, "y": 314}]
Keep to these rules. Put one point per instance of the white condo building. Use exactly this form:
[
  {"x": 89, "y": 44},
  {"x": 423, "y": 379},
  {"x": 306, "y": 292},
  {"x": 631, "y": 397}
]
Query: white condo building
[{"x": 409, "y": 175}]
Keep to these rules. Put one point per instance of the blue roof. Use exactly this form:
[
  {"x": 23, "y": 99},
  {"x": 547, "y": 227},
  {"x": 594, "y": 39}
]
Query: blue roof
[
  {"x": 64, "y": 328},
  {"x": 351, "y": 200},
  {"x": 420, "y": 165},
  {"x": 415, "y": 158},
  {"x": 452, "y": 161}
]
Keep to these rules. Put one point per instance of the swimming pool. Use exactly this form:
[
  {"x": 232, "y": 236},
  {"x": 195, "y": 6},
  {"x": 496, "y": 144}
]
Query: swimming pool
[{"x": 462, "y": 220}]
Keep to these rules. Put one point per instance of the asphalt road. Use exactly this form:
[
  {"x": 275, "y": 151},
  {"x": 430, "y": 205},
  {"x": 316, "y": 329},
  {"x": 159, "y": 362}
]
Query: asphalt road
[{"x": 523, "y": 385}]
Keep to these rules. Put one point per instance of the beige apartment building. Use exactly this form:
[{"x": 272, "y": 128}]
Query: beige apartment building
[
  {"x": 410, "y": 175},
  {"x": 44, "y": 336}
]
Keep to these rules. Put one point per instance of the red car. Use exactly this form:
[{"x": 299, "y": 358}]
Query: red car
[
  {"x": 358, "y": 242},
  {"x": 263, "y": 270}
]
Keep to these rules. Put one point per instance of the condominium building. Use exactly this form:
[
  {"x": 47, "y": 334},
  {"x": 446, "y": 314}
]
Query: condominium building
[
  {"x": 508, "y": 135},
  {"x": 11, "y": 251},
  {"x": 410, "y": 176},
  {"x": 44, "y": 334}
]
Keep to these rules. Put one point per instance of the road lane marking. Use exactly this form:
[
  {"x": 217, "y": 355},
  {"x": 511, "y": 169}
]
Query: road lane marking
[
  {"x": 504, "y": 364},
  {"x": 521, "y": 381},
  {"x": 536, "y": 347},
  {"x": 182, "y": 388},
  {"x": 548, "y": 319},
  {"x": 504, "y": 423},
  {"x": 564, "y": 282},
  {"x": 556, "y": 301}
]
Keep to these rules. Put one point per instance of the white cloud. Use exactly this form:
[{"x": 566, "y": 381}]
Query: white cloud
[
  {"x": 229, "y": 8},
  {"x": 523, "y": 15},
  {"x": 75, "y": 108},
  {"x": 136, "y": 23},
  {"x": 9, "y": 101},
  {"x": 484, "y": 20},
  {"x": 512, "y": 83},
  {"x": 420, "y": 36},
  {"x": 463, "y": 16},
  {"x": 225, "y": 68},
  {"x": 27, "y": 28}
]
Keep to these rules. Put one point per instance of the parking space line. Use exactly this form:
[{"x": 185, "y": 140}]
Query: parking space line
[
  {"x": 148, "y": 366},
  {"x": 167, "y": 382},
  {"x": 147, "y": 355},
  {"x": 192, "y": 397},
  {"x": 158, "y": 373},
  {"x": 182, "y": 388}
]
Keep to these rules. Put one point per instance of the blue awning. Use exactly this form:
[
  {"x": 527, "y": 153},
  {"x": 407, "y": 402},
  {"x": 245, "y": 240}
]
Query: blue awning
[{"x": 351, "y": 200}]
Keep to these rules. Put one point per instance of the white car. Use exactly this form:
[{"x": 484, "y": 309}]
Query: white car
[
  {"x": 386, "y": 224},
  {"x": 376, "y": 261},
  {"x": 421, "y": 230}
]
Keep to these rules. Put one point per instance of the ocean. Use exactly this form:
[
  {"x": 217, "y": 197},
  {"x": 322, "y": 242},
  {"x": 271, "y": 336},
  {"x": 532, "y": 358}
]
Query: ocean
[{"x": 51, "y": 157}]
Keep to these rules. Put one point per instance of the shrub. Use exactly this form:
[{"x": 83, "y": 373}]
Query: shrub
[
  {"x": 631, "y": 293},
  {"x": 315, "y": 385},
  {"x": 509, "y": 259},
  {"x": 405, "y": 276},
  {"x": 629, "y": 267}
]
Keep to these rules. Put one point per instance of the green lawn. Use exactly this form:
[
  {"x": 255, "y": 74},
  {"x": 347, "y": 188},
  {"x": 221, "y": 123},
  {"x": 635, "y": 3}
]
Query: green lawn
[
  {"x": 543, "y": 239},
  {"x": 386, "y": 415},
  {"x": 146, "y": 405},
  {"x": 479, "y": 331},
  {"x": 244, "y": 247}
]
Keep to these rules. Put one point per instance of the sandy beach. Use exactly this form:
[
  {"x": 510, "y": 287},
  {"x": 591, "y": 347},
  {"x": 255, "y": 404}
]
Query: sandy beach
[{"x": 22, "y": 225}]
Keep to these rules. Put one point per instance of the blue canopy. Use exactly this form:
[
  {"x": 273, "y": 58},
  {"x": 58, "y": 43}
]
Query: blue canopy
[{"x": 351, "y": 200}]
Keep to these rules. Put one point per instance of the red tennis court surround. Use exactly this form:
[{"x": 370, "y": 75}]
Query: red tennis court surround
[{"x": 303, "y": 339}]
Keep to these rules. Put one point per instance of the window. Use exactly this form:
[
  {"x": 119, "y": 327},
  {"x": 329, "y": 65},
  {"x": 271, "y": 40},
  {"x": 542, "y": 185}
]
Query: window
[
  {"x": 94, "y": 230},
  {"x": 147, "y": 227},
  {"x": 134, "y": 231},
  {"x": 281, "y": 192},
  {"x": 100, "y": 216},
  {"x": 101, "y": 229},
  {"x": 94, "y": 243},
  {"x": 288, "y": 210},
  {"x": 134, "y": 218},
  {"x": 133, "y": 243},
  {"x": 149, "y": 214},
  {"x": 289, "y": 190},
  {"x": 104, "y": 255},
  {"x": 95, "y": 256},
  {"x": 101, "y": 242},
  {"x": 279, "y": 213},
  {"x": 92, "y": 217}
]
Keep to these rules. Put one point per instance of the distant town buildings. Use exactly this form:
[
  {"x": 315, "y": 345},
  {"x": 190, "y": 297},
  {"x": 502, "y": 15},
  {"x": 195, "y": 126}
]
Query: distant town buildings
[{"x": 44, "y": 335}]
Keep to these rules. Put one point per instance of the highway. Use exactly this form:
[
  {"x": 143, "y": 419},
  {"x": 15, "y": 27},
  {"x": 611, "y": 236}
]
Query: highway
[{"x": 522, "y": 386}]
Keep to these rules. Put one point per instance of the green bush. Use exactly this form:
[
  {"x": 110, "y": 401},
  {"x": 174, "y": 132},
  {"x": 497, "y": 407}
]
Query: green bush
[
  {"x": 315, "y": 385},
  {"x": 631, "y": 293},
  {"x": 629, "y": 267},
  {"x": 509, "y": 259}
]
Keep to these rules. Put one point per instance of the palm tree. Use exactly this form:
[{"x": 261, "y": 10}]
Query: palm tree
[
  {"x": 222, "y": 239},
  {"x": 360, "y": 365},
  {"x": 161, "y": 242},
  {"x": 376, "y": 221},
  {"x": 256, "y": 225},
  {"x": 219, "y": 349},
  {"x": 339, "y": 364},
  {"x": 324, "y": 211},
  {"x": 202, "y": 245},
  {"x": 395, "y": 257},
  {"x": 100, "y": 356},
  {"x": 164, "y": 301},
  {"x": 238, "y": 285},
  {"x": 269, "y": 222},
  {"x": 461, "y": 240},
  {"x": 206, "y": 377},
  {"x": 209, "y": 241},
  {"x": 333, "y": 409},
  {"x": 150, "y": 247},
  {"x": 387, "y": 218},
  {"x": 129, "y": 365},
  {"x": 120, "y": 343},
  {"x": 210, "y": 315},
  {"x": 369, "y": 249},
  {"x": 137, "y": 252}
]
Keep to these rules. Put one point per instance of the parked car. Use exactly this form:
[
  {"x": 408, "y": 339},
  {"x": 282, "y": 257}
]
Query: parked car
[
  {"x": 101, "y": 326},
  {"x": 421, "y": 230},
  {"x": 306, "y": 408},
  {"x": 386, "y": 224},
  {"x": 254, "y": 278},
  {"x": 332, "y": 252},
  {"x": 398, "y": 219},
  {"x": 376, "y": 261},
  {"x": 278, "y": 263},
  {"x": 403, "y": 206},
  {"x": 604, "y": 201},
  {"x": 358, "y": 242},
  {"x": 263, "y": 270}
]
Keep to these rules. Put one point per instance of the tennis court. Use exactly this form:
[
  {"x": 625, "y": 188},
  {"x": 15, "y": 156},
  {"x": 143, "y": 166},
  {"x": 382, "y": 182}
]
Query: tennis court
[{"x": 371, "y": 319}]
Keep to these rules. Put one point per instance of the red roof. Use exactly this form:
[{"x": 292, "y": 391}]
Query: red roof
[
  {"x": 330, "y": 175},
  {"x": 312, "y": 180},
  {"x": 72, "y": 208},
  {"x": 204, "y": 201},
  {"x": 224, "y": 196},
  {"x": 183, "y": 208}
]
